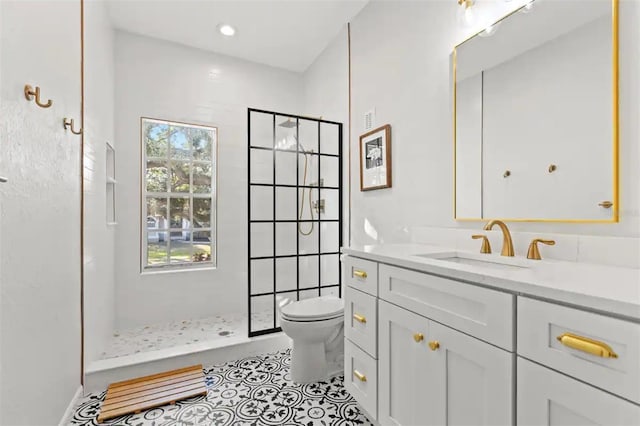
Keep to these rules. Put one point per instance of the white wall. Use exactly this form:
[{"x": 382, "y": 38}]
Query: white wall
[
  {"x": 400, "y": 57},
  {"x": 99, "y": 239},
  {"x": 39, "y": 212},
  {"x": 169, "y": 81}
]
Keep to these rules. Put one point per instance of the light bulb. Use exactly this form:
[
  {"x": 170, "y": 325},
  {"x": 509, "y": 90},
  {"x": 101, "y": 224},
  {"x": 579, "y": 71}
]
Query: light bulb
[{"x": 226, "y": 30}]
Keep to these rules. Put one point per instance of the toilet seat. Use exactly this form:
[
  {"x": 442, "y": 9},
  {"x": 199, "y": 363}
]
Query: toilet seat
[{"x": 321, "y": 308}]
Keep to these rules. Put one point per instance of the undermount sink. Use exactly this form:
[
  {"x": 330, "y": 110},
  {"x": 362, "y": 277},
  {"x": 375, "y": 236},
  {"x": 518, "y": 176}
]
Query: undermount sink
[{"x": 480, "y": 260}]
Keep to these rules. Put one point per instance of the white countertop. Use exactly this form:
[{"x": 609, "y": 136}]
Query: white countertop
[{"x": 607, "y": 289}]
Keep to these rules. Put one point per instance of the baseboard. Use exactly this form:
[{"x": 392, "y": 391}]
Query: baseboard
[{"x": 68, "y": 413}]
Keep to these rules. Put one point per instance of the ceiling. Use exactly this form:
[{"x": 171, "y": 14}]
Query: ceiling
[{"x": 285, "y": 34}]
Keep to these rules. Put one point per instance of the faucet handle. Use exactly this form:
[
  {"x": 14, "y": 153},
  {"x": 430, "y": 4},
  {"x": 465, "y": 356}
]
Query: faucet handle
[
  {"x": 534, "y": 251},
  {"x": 486, "y": 247}
]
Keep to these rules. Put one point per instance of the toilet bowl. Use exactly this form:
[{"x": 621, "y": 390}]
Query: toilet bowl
[{"x": 316, "y": 327}]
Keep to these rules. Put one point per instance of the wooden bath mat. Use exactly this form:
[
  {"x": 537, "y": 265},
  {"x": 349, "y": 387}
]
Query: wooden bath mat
[{"x": 136, "y": 395}]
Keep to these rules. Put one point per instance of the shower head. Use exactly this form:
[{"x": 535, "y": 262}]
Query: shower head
[{"x": 289, "y": 124}]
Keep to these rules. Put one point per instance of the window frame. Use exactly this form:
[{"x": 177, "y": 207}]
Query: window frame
[{"x": 212, "y": 228}]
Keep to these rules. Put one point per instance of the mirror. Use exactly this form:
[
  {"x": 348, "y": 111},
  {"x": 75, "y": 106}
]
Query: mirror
[{"x": 536, "y": 115}]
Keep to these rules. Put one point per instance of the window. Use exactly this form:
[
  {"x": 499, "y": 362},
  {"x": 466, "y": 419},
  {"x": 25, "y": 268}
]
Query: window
[{"x": 179, "y": 195}]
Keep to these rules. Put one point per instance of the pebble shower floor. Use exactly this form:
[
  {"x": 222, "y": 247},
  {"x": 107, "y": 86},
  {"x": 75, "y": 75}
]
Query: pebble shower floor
[{"x": 250, "y": 391}]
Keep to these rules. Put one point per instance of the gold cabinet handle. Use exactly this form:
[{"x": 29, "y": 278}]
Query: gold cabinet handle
[
  {"x": 359, "y": 274},
  {"x": 418, "y": 337},
  {"x": 606, "y": 204},
  {"x": 584, "y": 344},
  {"x": 434, "y": 345},
  {"x": 360, "y": 376},
  {"x": 359, "y": 318}
]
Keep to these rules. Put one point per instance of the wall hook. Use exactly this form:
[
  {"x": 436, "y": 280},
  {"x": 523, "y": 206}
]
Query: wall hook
[
  {"x": 506, "y": 174},
  {"x": 32, "y": 94},
  {"x": 552, "y": 168},
  {"x": 68, "y": 125}
]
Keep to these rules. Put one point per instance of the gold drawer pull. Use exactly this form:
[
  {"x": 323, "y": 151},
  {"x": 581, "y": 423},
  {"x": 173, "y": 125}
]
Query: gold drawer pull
[
  {"x": 359, "y": 274},
  {"x": 587, "y": 345},
  {"x": 359, "y": 318},
  {"x": 434, "y": 345},
  {"x": 418, "y": 337},
  {"x": 360, "y": 376}
]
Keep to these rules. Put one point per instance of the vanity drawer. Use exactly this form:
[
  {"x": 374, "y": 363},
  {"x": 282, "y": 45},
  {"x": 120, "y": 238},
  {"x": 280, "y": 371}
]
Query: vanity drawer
[
  {"x": 361, "y": 274},
  {"x": 542, "y": 324},
  {"x": 361, "y": 319},
  {"x": 361, "y": 378},
  {"x": 483, "y": 313}
]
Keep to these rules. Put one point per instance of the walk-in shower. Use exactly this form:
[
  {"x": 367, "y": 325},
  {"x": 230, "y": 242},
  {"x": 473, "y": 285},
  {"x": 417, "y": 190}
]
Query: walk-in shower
[{"x": 295, "y": 212}]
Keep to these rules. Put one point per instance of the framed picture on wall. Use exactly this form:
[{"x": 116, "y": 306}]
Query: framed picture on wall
[{"x": 375, "y": 159}]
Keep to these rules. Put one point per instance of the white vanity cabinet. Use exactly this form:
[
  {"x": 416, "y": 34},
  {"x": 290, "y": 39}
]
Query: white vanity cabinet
[{"x": 452, "y": 352}]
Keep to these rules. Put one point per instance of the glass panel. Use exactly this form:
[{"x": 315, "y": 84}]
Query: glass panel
[
  {"x": 261, "y": 239},
  {"x": 261, "y": 129},
  {"x": 180, "y": 215},
  {"x": 286, "y": 168},
  {"x": 262, "y": 313},
  {"x": 286, "y": 274},
  {"x": 201, "y": 246},
  {"x": 202, "y": 212},
  {"x": 286, "y": 204},
  {"x": 286, "y": 133},
  {"x": 308, "y": 135},
  {"x": 180, "y": 176},
  {"x": 308, "y": 243},
  {"x": 156, "y": 249},
  {"x": 180, "y": 246},
  {"x": 179, "y": 142},
  {"x": 329, "y": 171},
  {"x": 261, "y": 166},
  {"x": 202, "y": 177},
  {"x": 157, "y": 176},
  {"x": 261, "y": 202},
  {"x": 310, "y": 178},
  {"x": 309, "y": 270},
  {"x": 331, "y": 208},
  {"x": 156, "y": 138},
  {"x": 285, "y": 239},
  {"x": 202, "y": 143},
  {"x": 308, "y": 294},
  {"x": 330, "y": 291},
  {"x": 156, "y": 213},
  {"x": 261, "y": 276},
  {"x": 330, "y": 273},
  {"x": 329, "y": 237},
  {"x": 306, "y": 198},
  {"x": 329, "y": 137}
]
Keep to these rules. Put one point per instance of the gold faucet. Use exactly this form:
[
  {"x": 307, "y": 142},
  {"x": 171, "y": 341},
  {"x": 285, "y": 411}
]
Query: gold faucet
[{"x": 507, "y": 242}]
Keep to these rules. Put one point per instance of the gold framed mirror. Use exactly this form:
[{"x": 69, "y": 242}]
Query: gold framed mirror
[{"x": 536, "y": 116}]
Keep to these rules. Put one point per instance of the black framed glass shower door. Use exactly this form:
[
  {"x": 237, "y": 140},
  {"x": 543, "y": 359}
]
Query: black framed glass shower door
[{"x": 294, "y": 212}]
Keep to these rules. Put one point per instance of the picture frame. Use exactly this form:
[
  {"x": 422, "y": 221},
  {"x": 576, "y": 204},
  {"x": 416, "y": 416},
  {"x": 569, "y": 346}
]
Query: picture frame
[{"x": 375, "y": 159}]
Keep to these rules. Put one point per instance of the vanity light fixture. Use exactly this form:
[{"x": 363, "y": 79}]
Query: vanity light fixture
[
  {"x": 226, "y": 30},
  {"x": 466, "y": 15}
]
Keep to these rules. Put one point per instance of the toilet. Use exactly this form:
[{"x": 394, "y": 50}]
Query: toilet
[{"x": 316, "y": 327}]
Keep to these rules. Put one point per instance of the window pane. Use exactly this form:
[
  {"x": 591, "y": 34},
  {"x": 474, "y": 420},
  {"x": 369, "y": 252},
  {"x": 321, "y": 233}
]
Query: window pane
[
  {"x": 202, "y": 143},
  {"x": 157, "y": 176},
  {"x": 156, "y": 213},
  {"x": 180, "y": 217},
  {"x": 201, "y": 246},
  {"x": 156, "y": 251},
  {"x": 156, "y": 138},
  {"x": 179, "y": 176},
  {"x": 202, "y": 212},
  {"x": 179, "y": 142},
  {"x": 201, "y": 178},
  {"x": 181, "y": 246}
]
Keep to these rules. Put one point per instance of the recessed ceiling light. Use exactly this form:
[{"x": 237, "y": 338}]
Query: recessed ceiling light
[{"x": 226, "y": 30}]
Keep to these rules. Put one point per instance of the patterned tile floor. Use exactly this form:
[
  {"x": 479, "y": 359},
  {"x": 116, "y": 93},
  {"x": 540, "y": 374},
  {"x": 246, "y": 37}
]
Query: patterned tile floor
[
  {"x": 254, "y": 391},
  {"x": 160, "y": 336}
]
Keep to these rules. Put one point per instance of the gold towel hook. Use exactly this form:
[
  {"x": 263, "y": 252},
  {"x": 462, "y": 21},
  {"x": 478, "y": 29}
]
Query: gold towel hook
[
  {"x": 68, "y": 125},
  {"x": 32, "y": 94}
]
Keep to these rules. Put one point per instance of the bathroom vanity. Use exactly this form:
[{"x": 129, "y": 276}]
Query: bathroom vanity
[{"x": 449, "y": 337}]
